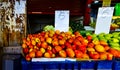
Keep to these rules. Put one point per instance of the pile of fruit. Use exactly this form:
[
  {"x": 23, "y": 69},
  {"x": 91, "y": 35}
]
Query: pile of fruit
[
  {"x": 53, "y": 44},
  {"x": 113, "y": 39},
  {"x": 115, "y": 23}
]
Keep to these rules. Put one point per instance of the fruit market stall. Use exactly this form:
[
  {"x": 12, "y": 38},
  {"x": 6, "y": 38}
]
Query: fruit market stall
[
  {"x": 76, "y": 48},
  {"x": 54, "y": 49}
]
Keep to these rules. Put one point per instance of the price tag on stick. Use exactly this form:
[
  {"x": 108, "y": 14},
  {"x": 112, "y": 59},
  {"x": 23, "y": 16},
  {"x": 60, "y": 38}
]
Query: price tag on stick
[
  {"x": 104, "y": 18},
  {"x": 62, "y": 20}
]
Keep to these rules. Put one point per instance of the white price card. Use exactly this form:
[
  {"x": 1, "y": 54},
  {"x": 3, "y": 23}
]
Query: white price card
[
  {"x": 62, "y": 20},
  {"x": 104, "y": 18}
]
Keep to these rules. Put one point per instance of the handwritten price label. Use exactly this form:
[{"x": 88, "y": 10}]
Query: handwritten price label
[
  {"x": 104, "y": 18},
  {"x": 62, "y": 20}
]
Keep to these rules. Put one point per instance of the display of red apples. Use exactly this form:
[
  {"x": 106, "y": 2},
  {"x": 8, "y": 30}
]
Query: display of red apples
[{"x": 53, "y": 44}]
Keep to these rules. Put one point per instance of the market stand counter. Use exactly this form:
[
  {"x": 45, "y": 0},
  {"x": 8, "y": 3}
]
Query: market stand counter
[{"x": 71, "y": 65}]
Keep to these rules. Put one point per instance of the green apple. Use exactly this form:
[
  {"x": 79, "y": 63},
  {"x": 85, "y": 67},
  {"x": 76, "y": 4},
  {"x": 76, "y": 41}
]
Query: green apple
[
  {"x": 101, "y": 34},
  {"x": 117, "y": 48},
  {"x": 88, "y": 33},
  {"x": 94, "y": 36},
  {"x": 103, "y": 39},
  {"x": 118, "y": 38},
  {"x": 115, "y": 40},
  {"x": 113, "y": 44},
  {"x": 115, "y": 34},
  {"x": 108, "y": 36}
]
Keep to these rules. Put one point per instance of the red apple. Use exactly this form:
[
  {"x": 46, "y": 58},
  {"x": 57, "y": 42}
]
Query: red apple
[
  {"x": 33, "y": 42},
  {"x": 80, "y": 38},
  {"x": 103, "y": 43},
  {"x": 91, "y": 45},
  {"x": 42, "y": 50},
  {"x": 55, "y": 43},
  {"x": 109, "y": 56},
  {"x": 94, "y": 55},
  {"x": 83, "y": 48},
  {"x": 103, "y": 56},
  {"x": 32, "y": 54},
  {"x": 39, "y": 54},
  {"x": 24, "y": 40},
  {"x": 49, "y": 40},
  {"x": 25, "y": 50},
  {"x": 76, "y": 42},
  {"x": 85, "y": 56},
  {"x": 68, "y": 45},
  {"x": 70, "y": 40},
  {"x": 38, "y": 44},
  {"x": 62, "y": 53},
  {"x": 61, "y": 42},
  {"x": 107, "y": 47},
  {"x": 70, "y": 52},
  {"x": 78, "y": 54},
  {"x": 54, "y": 51},
  {"x": 28, "y": 43},
  {"x": 84, "y": 42},
  {"x": 114, "y": 52},
  {"x": 42, "y": 39},
  {"x": 49, "y": 47},
  {"x": 53, "y": 55},
  {"x": 27, "y": 57},
  {"x": 47, "y": 55},
  {"x": 31, "y": 46},
  {"x": 50, "y": 51},
  {"x": 63, "y": 46},
  {"x": 60, "y": 37},
  {"x": 58, "y": 48},
  {"x": 74, "y": 47},
  {"x": 44, "y": 45},
  {"x": 89, "y": 38},
  {"x": 57, "y": 31},
  {"x": 77, "y": 33},
  {"x": 24, "y": 45}
]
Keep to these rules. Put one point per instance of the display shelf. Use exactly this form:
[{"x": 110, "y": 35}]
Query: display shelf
[{"x": 71, "y": 65}]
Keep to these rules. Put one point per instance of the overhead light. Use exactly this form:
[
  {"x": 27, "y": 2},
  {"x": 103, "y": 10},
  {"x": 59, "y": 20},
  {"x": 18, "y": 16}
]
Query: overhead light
[
  {"x": 36, "y": 12},
  {"x": 96, "y": 1}
]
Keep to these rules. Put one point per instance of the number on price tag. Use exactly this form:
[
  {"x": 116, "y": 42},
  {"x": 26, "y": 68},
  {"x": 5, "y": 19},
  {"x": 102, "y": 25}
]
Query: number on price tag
[{"x": 62, "y": 20}]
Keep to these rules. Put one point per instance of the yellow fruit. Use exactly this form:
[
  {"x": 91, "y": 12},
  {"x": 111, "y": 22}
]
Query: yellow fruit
[
  {"x": 99, "y": 48},
  {"x": 89, "y": 49},
  {"x": 49, "y": 40},
  {"x": 37, "y": 39}
]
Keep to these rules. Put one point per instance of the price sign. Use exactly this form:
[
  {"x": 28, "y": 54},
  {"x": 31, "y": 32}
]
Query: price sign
[
  {"x": 104, "y": 18},
  {"x": 62, "y": 20}
]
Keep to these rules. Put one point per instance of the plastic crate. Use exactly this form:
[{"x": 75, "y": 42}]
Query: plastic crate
[
  {"x": 76, "y": 66},
  {"x": 52, "y": 66},
  {"x": 62, "y": 65},
  {"x": 104, "y": 65},
  {"x": 116, "y": 65},
  {"x": 87, "y": 65},
  {"x": 71, "y": 65},
  {"x": 26, "y": 65},
  {"x": 38, "y": 66}
]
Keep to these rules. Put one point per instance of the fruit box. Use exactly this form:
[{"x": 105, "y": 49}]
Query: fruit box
[
  {"x": 104, "y": 65},
  {"x": 70, "y": 65},
  {"x": 116, "y": 65}
]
